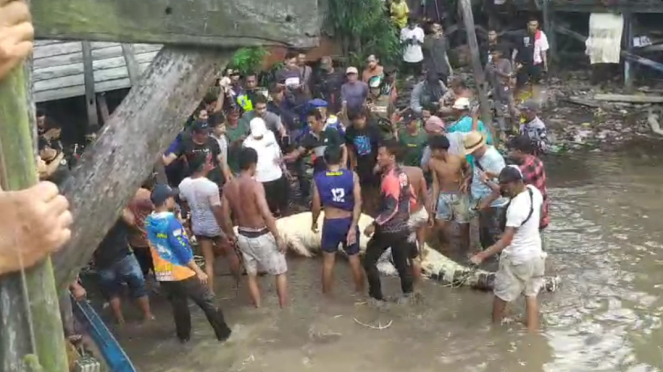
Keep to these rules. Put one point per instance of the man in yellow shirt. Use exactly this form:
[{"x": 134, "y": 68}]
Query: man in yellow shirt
[{"x": 399, "y": 13}]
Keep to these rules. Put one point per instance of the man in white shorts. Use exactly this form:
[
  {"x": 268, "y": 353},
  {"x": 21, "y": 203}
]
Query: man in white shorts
[
  {"x": 522, "y": 262},
  {"x": 201, "y": 198},
  {"x": 257, "y": 236}
]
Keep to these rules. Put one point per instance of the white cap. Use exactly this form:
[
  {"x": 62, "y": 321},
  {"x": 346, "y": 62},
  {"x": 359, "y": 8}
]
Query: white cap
[
  {"x": 462, "y": 103},
  {"x": 351, "y": 70},
  {"x": 258, "y": 127}
]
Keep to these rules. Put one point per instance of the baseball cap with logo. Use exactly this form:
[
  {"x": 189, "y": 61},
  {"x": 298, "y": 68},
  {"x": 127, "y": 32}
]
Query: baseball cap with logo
[{"x": 351, "y": 70}]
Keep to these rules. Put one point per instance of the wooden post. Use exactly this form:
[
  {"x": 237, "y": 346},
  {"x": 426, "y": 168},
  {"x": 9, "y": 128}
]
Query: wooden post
[
  {"x": 548, "y": 21},
  {"x": 90, "y": 98},
  {"x": 479, "y": 76},
  {"x": 103, "y": 107},
  {"x": 128, "y": 146},
  {"x": 628, "y": 38},
  {"x": 31, "y": 334},
  {"x": 132, "y": 65}
]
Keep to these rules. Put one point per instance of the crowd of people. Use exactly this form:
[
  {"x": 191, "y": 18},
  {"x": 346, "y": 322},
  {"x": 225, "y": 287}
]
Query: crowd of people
[
  {"x": 341, "y": 139},
  {"x": 342, "y": 142}
]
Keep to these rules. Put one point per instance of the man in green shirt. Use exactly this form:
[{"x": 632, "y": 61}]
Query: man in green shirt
[
  {"x": 236, "y": 132},
  {"x": 413, "y": 139}
]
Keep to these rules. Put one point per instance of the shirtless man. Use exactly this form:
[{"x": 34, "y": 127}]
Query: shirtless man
[
  {"x": 418, "y": 215},
  {"x": 450, "y": 200},
  {"x": 337, "y": 190},
  {"x": 258, "y": 239}
]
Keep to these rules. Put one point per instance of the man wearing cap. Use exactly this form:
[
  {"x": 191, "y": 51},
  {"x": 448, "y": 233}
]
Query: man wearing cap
[
  {"x": 521, "y": 150},
  {"x": 270, "y": 170},
  {"x": 487, "y": 165},
  {"x": 522, "y": 261},
  {"x": 200, "y": 141},
  {"x": 175, "y": 269},
  {"x": 413, "y": 139},
  {"x": 354, "y": 92},
  {"x": 201, "y": 198},
  {"x": 331, "y": 121},
  {"x": 468, "y": 119},
  {"x": 533, "y": 127}
]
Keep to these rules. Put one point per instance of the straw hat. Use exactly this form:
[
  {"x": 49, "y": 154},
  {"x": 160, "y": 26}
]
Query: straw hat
[{"x": 472, "y": 141}]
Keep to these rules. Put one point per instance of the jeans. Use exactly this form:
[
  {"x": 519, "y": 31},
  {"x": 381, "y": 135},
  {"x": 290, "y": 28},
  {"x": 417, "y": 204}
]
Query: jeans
[
  {"x": 401, "y": 250},
  {"x": 126, "y": 270},
  {"x": 178, "y": 293}
]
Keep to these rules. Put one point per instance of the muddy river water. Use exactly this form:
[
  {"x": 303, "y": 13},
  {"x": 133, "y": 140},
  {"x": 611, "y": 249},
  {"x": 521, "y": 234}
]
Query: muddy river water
[{"x": 606, "y": 244}]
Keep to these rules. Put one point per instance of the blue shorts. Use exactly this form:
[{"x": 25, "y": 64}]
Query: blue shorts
[
  {"x": 335, "y": 232},
  {"x": 126, "y": 270}
]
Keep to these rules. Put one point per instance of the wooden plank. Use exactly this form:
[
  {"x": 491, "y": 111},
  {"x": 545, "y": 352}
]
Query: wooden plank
[
  {"x": 132, "y": 65},
  {"x": 102, "y": 44},
  {"x": 128, "y": 146},
  {"x": 79, "y": 90},
  {"x": 226, "y": 23},
  {"x": 89, "y": 79},
  {"x": 77, "y": 68},
  {"x": 39, "y": 43},
  {"x": 57, "y": 49},
  {"x": 73, "y": 80},
  {"x": 628, "y": 98},
  {"x": 110, "y": 52}
]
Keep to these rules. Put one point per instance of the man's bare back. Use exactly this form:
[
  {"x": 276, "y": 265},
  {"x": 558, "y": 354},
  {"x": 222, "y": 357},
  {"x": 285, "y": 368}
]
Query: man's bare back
[
  {"x": 243, "y": 195},
  {"x": 418, "y": 183},
  {"x": 449, "y": 172}
]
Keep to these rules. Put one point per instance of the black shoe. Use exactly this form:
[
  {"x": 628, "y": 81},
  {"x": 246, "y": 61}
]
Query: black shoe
[{"x": 225, "y": 335}]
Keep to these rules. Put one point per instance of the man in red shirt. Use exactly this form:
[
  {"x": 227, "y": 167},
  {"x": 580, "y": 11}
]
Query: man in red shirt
[
  {"x": 521, "y": 149},
  {"x": 390, "y": 228}
]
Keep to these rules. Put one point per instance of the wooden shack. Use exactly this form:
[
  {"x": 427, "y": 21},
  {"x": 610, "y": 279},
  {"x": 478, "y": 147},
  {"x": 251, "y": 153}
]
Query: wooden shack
[
  {"x": 66, "y": 69},
  {"x": 640, "y": 18}
]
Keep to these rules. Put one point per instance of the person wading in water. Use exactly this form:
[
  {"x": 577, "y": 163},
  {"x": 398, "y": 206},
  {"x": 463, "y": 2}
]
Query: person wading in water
[
  {"x": 201, "y": 197},
  {"x": 390, "y": 227},
  {"x": 450, "y": 200},
  {"x": 337, "y": 190},
  {"x": 522, "y": 261},
  {"x": 258, "y": 239}
]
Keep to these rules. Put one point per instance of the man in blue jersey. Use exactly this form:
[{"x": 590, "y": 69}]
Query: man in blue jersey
[
  {"x": 174, "y": 267},
  {"x": 337, "y": 190}
]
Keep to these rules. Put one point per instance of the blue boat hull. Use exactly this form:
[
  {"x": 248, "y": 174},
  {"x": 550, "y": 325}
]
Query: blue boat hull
[{"x": 114, "y": 356}]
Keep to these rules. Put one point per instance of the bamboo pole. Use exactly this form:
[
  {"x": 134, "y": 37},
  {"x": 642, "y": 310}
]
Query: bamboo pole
[
  {"x": 31, "y": 334},
  {"x": 479, "y": 77}
]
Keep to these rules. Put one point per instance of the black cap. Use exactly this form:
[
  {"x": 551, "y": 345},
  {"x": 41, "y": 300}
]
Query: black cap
[
  {"x": 408, "y": 116},
  {"x": 161, "y": 192},
  {"x": 510, "y": 173},
  {"x": 521, "y": 143},
  {"x": 200, "y": 126}
]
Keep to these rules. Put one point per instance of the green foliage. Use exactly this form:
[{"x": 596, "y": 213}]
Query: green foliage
[
  {"x": 364, "y": 28},
  {"x": 248, "y": 59}
]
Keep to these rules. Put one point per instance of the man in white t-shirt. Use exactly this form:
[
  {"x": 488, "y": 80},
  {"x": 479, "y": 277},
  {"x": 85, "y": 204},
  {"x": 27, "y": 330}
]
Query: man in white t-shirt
[
  {"x": 269, "y": 170},
  {"x": 522, "y": 261},
  {"x": 412, "y": 37},
  {"x": 201, "y": 197}
]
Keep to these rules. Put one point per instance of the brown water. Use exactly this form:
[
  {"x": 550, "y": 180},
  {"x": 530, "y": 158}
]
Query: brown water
[{"x": 605, "y": 242}]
